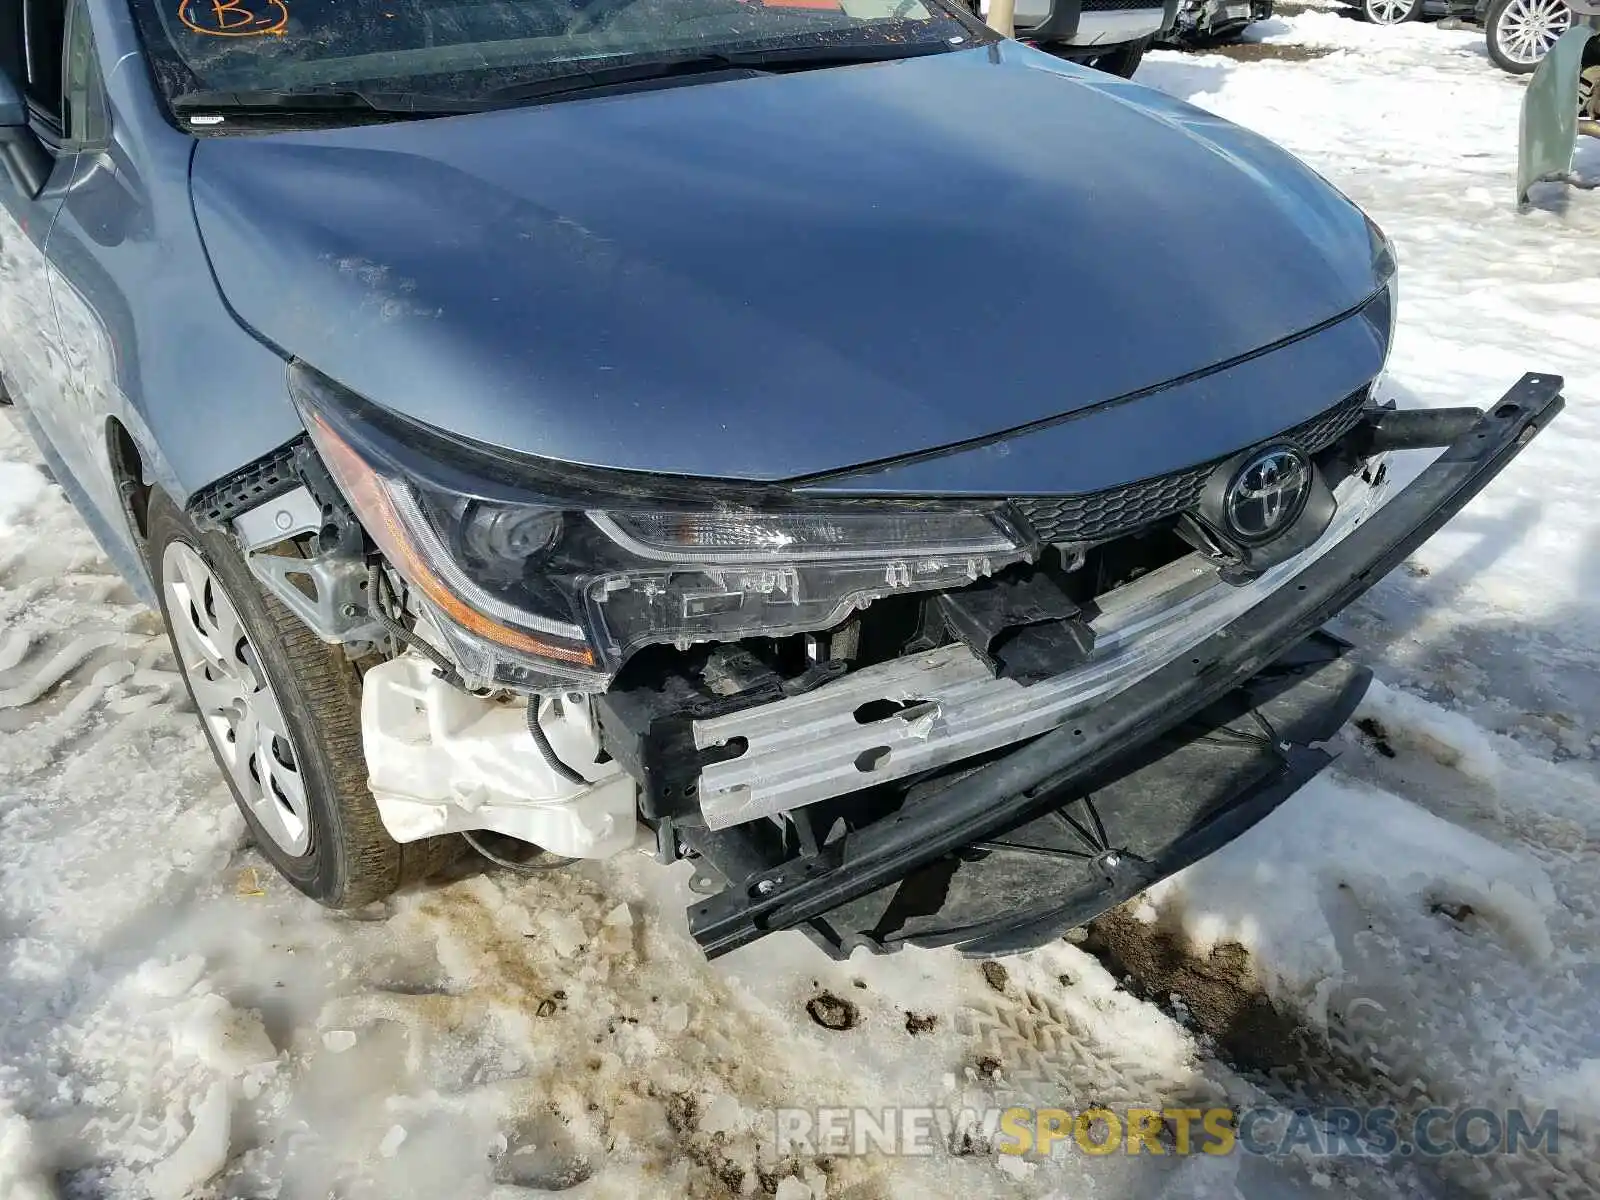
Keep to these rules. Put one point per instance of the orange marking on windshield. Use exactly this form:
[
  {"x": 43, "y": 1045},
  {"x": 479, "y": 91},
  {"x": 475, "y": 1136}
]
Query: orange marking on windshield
[{"x": 234, "y": 18}]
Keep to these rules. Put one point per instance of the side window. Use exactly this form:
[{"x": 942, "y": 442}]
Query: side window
[
  {"x": 12, "y": 57},
  {"x": 44, "y": 28},
  {"x": 86, "y": 120}
]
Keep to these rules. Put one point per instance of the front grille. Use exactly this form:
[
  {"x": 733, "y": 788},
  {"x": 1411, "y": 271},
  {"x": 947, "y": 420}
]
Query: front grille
[
  {"x": 1116, "y": 510},
  {"x": 1098, "y": 516},
  {"x": 1323, "y": 430},
  {"x": 1116, "y": 5}
]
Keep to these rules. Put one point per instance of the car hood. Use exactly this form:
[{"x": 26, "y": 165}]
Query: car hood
[{"x": 780, "y": 276}]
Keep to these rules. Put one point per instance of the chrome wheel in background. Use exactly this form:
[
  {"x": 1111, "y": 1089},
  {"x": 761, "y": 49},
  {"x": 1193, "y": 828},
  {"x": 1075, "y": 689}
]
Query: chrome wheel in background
[
  {"x": 1391, "y": 12},
  {"x": 1524, "y": 30}
]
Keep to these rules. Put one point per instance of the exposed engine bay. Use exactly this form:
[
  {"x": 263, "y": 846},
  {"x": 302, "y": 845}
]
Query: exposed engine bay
[{"x": 760, "y": 756}]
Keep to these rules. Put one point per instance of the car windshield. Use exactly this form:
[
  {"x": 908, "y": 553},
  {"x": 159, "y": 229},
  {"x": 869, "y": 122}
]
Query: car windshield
[{"x": 467, "y": 48}]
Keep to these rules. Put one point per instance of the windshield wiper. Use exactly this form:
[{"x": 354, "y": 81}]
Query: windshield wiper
[
  {"x": 843, "y": 55},
  {"x": 747, "y": 61},
  {"x": 592, "y": 78},
  {"x": 311, "y": 102},
  {"x": 314, "y": 102}
]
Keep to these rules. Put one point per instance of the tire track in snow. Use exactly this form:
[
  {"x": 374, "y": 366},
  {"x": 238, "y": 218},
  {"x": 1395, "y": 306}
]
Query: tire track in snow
[
  {"x": 1473, "y": 995},
  {"x": 68, "y": 659}
]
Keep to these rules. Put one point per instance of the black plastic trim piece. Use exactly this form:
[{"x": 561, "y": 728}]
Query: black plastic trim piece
[
  {"x": 1417, "y": 428},
  {"x": 1027, "y": 931},
  {"x": 267, "y": 478},
  {"x": 1023, "y": 783}
]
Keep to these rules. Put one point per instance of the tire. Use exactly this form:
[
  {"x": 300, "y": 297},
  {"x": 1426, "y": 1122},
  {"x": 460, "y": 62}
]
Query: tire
[
  {"x": 319, "y": 826},
  {"x": 1391, "y": 12},
  {"x": 1510, "y": 27},
  {"x": 1121, "y": 60}
]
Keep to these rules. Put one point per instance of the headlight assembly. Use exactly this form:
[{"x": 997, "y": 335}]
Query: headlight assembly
[
  {"x": 1384, "y": 262},
  {"x": 1386, "y": 271},
  {"x": 544, "y": 575}
]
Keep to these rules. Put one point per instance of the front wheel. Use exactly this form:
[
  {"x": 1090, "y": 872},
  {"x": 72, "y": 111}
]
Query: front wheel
[
  {"x": 1521, "y": 32},
  {"x": 282, "y": 711},
  {"x": 1121, "y": 60}
]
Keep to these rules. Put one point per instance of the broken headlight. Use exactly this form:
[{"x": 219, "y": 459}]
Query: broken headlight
[{"x": 542, "y": 574}]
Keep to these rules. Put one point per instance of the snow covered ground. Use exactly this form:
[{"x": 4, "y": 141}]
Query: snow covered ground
[{"x": 175, "y": 1021}]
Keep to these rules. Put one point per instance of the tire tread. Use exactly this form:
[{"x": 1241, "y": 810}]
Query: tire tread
[{"x": 363, "y": 863}]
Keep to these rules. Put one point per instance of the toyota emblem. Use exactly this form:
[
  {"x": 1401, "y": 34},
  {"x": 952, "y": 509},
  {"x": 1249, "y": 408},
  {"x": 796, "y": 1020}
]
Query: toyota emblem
[{"x": 1268, "y": 493}]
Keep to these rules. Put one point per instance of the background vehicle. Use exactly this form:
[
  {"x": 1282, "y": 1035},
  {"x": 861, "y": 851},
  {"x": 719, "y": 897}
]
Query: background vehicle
[
  {"x": 1203, "y": 23},
  {"x": 1109, "y": 35},
  {"x": 1397, "y": 12},
  {"x": 1521, "y": 32}
]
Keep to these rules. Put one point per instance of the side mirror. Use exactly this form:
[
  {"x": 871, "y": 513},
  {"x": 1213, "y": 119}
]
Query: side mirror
[{"x": 13, "y": 109}]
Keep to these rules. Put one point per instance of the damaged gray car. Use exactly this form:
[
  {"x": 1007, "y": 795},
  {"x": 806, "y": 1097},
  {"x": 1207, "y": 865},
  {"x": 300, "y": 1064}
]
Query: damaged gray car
[{"x": 662, "y": 426}]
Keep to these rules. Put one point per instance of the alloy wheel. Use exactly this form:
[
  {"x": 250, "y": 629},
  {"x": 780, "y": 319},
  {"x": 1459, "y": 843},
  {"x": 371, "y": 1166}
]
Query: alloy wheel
[
  {"x": 1387, "y": 12},
  {"x": 1528, "y": 28},
  {"x": 237, "y": 703}
]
